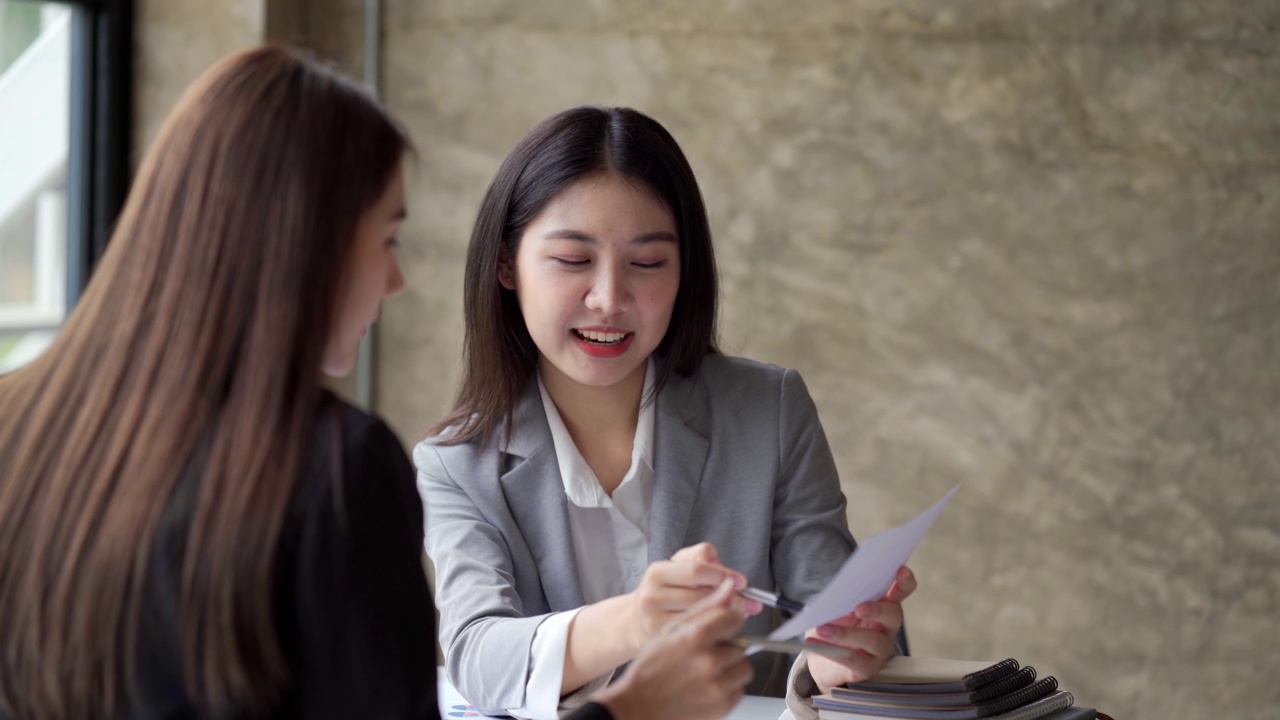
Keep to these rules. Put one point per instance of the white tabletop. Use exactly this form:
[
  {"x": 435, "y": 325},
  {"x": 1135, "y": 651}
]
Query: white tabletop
[{"x": 751, "y": 708}]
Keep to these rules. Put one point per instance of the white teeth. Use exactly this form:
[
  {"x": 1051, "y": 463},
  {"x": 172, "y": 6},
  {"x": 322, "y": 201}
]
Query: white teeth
[{"x": 601, "y": 337}]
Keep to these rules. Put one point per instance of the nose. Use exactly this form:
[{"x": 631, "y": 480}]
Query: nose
[
  {"x": 609, "y": 292},
  {"x": 395, "y": 280}
]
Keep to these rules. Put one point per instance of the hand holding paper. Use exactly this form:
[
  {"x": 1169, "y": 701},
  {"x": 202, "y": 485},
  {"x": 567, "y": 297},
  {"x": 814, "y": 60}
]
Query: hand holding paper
[
  {"x": 860, "y": 609},
  {"x": 866, "y": 575}
]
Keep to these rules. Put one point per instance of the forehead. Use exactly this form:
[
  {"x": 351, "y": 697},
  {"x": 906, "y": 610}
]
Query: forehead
[
  {"x": 393, "y": 193},
  {"x": 608, "y": 201}
]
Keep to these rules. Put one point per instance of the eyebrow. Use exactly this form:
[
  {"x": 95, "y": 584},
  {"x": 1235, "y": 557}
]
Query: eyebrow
[{"x": 577, "y": 236}]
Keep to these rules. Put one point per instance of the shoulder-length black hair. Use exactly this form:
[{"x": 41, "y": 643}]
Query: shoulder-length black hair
[{"x": 499, "y": 356}]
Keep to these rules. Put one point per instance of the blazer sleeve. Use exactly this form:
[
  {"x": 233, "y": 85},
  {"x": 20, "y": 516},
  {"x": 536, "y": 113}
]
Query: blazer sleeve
[
  {"x": 483, "y": 631},
  {"x": 362, "y": 609},
  {"x": 810, "y": 539}
]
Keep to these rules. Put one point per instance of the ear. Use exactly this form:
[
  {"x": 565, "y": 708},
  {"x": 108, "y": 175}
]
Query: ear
[{"x": 506, "y": 272}]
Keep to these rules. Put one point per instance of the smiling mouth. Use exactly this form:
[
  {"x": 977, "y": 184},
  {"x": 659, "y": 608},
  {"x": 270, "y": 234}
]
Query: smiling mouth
[{"x": 603, "y": 339}]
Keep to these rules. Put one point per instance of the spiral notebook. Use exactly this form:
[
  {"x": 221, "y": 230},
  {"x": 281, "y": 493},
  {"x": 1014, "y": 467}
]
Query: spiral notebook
[
  {"x": 915, "y": 698},
  {"x": 892, "y": 709},
  {"x": 909, "y": 674},
  {"x": 1058, "y": 706}
]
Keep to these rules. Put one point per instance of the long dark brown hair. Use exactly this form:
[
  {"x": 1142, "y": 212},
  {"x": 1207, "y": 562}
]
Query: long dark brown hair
[
  {"x": 202, "y": 331},
  {"x": 499, "y": 356}
]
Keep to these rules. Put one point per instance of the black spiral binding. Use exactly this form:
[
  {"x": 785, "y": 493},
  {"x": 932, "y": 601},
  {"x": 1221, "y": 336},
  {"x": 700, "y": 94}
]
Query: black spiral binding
[{"x": 1016, "y": 700}]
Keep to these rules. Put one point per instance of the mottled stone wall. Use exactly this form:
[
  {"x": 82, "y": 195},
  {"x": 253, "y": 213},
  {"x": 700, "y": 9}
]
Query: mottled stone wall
[
  {"x": 1030, "y": 247},
  {"x": 175, "y": 41}
]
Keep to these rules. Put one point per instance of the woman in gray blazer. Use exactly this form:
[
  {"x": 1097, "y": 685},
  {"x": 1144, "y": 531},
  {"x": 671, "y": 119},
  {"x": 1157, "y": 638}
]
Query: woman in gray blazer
[{"x": 604, "y": 465}]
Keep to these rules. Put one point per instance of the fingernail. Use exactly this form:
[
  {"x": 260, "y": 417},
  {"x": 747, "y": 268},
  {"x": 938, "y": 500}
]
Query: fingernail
[
  {"x": 739, "y": 582},
  {"x": 754, "y": 607},
  {"x": 826, "y": 631}
]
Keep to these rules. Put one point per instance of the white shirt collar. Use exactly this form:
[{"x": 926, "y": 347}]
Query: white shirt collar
[{"x": 581, "y": 485}]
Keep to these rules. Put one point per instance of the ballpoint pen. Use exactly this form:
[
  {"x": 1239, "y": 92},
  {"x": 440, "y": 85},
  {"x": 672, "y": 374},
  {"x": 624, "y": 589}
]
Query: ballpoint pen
[{"x": 773, "y": 600}]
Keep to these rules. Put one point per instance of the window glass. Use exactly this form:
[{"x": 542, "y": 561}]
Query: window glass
[{"x": 35, "y": 94}]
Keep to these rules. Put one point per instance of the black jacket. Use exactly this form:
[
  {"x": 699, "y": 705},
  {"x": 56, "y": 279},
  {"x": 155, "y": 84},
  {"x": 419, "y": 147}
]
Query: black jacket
[{"x": 354, "y": 615}]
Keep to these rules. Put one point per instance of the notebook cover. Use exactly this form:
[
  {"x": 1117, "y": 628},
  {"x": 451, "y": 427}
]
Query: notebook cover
[
  {"x": 1003, "y": 704},
  {"x": 1053, "y": 707},
  {"x": 990, "y": 691},
  {"x": 907, "y": 673}
]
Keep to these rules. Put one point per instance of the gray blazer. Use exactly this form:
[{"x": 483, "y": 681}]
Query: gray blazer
[{"x": 740, "y": 461}]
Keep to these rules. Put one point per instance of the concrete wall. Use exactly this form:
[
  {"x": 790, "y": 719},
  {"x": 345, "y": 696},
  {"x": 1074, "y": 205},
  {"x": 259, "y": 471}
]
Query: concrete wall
[
  {"x": 1029, "y": 247},
  {"x": 175, "y": 41}
]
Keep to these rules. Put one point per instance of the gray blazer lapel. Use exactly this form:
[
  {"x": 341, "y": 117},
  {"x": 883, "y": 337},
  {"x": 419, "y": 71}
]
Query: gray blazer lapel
[
  {"x": 679, "y": 454},
  {"x": 534, "y": 492}
]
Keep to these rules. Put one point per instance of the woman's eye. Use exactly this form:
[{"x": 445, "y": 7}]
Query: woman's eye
[
  {"x": 650, "y": 265},
  {"x": 393, "y": 243},
  {"x": 570, "y": 262}
]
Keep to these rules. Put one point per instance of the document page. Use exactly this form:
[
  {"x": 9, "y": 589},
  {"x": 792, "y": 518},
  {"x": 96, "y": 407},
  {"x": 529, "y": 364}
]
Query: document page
[{"x": 866, "y": 575}]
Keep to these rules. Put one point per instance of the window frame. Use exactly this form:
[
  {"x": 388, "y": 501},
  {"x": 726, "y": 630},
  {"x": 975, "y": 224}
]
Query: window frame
[{"x": 98, "y": 156}]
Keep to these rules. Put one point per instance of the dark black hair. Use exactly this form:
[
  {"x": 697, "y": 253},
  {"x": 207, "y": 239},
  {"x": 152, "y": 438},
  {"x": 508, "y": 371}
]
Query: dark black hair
[{"x": 499, "y": 356}]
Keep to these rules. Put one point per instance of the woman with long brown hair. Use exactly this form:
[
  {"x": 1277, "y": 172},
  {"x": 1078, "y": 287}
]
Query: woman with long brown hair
[{"x": 190, "y": 525}]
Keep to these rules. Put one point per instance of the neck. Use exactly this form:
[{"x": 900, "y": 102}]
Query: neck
[{"x": 593, "y": 412}]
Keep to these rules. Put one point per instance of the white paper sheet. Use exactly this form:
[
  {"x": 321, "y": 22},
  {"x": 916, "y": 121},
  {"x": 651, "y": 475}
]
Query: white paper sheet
[{"x": 866, "y": 575}]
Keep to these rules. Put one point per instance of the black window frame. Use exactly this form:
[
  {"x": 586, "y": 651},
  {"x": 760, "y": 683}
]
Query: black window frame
[{"x": 99, "y": 153}]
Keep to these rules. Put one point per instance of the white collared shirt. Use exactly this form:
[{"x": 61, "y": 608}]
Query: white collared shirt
[{"x": 610, "y": 542}]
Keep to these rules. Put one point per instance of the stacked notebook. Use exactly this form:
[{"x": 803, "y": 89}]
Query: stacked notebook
[{"x": 933, "y": 689}]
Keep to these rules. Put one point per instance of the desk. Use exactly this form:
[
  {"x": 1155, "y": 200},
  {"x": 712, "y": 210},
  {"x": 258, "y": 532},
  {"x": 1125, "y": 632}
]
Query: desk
[
  {"x": 751, "y": 708},
  {"x": 760, "y": 708}
]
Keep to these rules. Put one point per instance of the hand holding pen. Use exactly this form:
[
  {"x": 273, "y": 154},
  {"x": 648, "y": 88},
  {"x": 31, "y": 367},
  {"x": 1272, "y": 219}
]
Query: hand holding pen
[
  {"x": 749, "y": 601},
  {"x": 670, "y": 587}
]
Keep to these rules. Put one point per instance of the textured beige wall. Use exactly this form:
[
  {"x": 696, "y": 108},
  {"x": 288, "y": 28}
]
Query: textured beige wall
[
  {"x": 1030, "y": 247},
  {"x": 175, "y": 41}
]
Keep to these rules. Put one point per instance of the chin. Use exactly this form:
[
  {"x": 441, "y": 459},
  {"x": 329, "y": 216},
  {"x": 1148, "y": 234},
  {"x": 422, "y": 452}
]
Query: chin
[
  {"x": 605, "y": 376},
  {"x": 337, "y": 373},
  {"x": 338, "y": 367}
]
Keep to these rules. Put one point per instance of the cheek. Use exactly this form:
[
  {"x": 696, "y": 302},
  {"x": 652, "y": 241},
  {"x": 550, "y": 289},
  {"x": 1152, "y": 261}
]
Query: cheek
[
  {"x": 540, "y": 302},
  {"x": 550, "y": 295},
  {"x": 659, "y": 299}
]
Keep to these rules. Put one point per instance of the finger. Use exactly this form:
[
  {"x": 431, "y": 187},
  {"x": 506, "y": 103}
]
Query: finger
[
  {"x": 718, "y": 598},
  {"x": 692, "y": 573},
  {"x": 726, "y": 656},
  {"x": 851, "y": 621},
  {"x": 702, "y": 552},
  {"x": 712, "y": 626},
  {"x": 856, "y": 667},
  {"x": 871, "y": 642},
  {"x": 678, "y": 600},
  {"x": 903, "y": 585},
  {"x": 887, "y": 615},
  {"x": 738, "y": 673}
]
